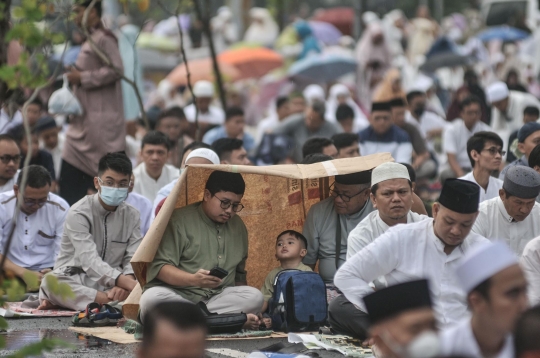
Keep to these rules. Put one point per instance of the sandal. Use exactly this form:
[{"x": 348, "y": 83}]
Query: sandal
[
  {"x": 113, "y": 314},
  {"x": 92, "y": 316}
]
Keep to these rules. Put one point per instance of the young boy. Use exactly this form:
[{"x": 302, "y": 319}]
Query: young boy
[{"x": 291, "y": 247}]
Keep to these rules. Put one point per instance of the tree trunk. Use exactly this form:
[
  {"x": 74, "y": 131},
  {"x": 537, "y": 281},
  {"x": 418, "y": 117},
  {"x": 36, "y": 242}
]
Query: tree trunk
[{"x": 5, "y": 8}]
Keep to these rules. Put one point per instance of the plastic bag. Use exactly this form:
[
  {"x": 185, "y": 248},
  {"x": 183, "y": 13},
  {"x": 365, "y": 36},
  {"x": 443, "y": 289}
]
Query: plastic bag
[{"x": 63, "y": 101}]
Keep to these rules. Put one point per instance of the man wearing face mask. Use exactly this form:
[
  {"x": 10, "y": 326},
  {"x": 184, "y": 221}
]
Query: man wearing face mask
[
  {"x": 402, "y": 321},
  {"x": 497, "y": 295},
  {"x": 428, "y": 123},
  {"x": 101, "y": 234},
  {"x": 429, "y": 248}
]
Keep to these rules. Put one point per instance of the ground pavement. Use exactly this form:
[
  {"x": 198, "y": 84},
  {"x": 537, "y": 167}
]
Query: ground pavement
[{"x": 23, "y": 331}]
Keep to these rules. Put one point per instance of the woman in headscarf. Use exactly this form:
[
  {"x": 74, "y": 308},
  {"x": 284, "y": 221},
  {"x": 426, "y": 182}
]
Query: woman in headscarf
[
  {"x": 340, "y": 94},
  {"x": 314, "y": 93},
  {"x": 263, "y": 30},
  {"x": 390, "y": 87},
  {"x": 224, "y": 29}
]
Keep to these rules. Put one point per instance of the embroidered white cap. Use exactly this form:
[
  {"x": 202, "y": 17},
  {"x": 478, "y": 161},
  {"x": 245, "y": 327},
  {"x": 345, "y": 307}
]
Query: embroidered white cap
[{"x": 387, "y": 171}]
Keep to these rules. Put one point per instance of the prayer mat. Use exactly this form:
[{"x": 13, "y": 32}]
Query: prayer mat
[
  {"x": 14, "y": 310},
  {"x": 348, "y": 346},
  {"x": 113, "y": 334}
]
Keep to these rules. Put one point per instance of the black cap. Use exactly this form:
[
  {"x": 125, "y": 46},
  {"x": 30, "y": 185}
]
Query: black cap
[
  {"x": 354, "y": 178},
  {"x": 461, "y": 196},
  {"x": 45, "y": 123},
  {"x": 393, "y": 300},
  {"x": 397, "y": 102},
  {"x": 380, "y": 106}
]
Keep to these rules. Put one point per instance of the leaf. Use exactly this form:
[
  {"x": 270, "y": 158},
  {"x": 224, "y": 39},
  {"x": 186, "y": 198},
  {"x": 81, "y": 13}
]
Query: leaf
[
  {"x": 3, "y": 323},
  {"x": 31, "y": 280},
  {"x": 61, "y": 289},
  {"x": 15, "y": 291},
  {"x": 2, "y": 342}
]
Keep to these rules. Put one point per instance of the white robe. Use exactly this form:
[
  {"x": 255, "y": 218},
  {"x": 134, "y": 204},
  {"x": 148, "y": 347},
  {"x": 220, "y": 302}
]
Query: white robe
[
  {"x": 405, "y": 253},
  {"x": 492, "y": 191},
  {"x": 494, "y": 223},
  {"x": 530, "y": 263},
  {"x": 149, "y": 187},
  {"x": 459, "y": 341}
]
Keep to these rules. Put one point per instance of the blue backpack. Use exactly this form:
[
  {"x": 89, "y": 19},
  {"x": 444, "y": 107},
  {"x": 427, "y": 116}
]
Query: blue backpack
[{"x": 299, "y": 301}]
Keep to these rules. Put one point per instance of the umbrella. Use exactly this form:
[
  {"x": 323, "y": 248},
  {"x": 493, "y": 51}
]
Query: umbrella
[
  {"x": 325, "y": 32},
  {"x": 504, "y": 33},
  {"x": 252, "y": 62},
  {"x": 322, "y": 67},
  {"x": 202, "y": 70},
  {"x": 340, "y": 17},
  {"x": 447, "y": 59},
  {"x": 442, "y": 45}
]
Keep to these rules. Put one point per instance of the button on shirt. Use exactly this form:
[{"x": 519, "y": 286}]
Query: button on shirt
[
  {"x": 459, "y": 341},
  {"x": 99, "y": 242},
  {"x": 492, "y": 190},
  {"x": 320, "y": 232},
  {"x": 405, "y": 253},
  {"x": 455, "y": 137},
  {"x": 495, "y": 223},
  {"x": 192, "y": 241},
  {"x": 148, "y": 186},
  {"x": 36, "y": 240},
  {"x": 371, "y": 228}
]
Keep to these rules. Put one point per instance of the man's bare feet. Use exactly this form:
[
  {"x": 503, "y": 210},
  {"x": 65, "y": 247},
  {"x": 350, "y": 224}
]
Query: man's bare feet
[
  {"x": 46, "y": 305},
  {"x": 252, "y": 322}
]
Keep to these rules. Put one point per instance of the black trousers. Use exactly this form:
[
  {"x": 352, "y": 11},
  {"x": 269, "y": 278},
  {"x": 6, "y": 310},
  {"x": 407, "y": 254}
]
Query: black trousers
[
  {"x": 345, "y": 318},
  {"x": 74, "y": 183}
]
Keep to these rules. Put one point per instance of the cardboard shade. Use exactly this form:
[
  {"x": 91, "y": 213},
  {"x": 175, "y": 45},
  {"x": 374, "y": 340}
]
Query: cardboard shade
[{"x": 277, "y": 198}]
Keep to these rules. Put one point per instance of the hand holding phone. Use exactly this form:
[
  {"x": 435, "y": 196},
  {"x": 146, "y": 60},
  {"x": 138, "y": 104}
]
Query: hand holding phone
[{"x": 218, "y": 272}]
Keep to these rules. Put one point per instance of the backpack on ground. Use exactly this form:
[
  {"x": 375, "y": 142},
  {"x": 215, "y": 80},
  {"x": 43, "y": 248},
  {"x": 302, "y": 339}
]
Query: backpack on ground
[{"x": 299, "y": 301}]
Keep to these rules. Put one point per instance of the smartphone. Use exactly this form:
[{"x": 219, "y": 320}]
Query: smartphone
[{"x": 219, "y": 272}]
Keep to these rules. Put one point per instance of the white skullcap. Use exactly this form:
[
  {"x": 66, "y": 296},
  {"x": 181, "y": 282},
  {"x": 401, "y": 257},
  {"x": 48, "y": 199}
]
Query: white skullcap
[
  {"x": 483, "y": 262},
  {"x": 314, "y": 92},
  {"x": 387, "y": 171},
  {"x": 497, "y": 91},
  {"x": 203, "y": 89},
  {"x": 422, "y": 84},
  {"x": 204, "y": 153}
]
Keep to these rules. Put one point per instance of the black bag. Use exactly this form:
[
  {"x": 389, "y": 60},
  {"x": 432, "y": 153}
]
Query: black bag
[{"x": 223, "y": 323}]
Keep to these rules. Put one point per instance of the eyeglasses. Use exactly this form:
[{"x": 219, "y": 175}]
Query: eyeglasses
[
  {"x": 35, "y": 202},
  {"x": 112, "y": 184},
  {"x": 494, "y": 151},
  {"x": 225, "y": 204},
  {"x": 345, "y": 198},
  {"x": 8, "y": 158}
]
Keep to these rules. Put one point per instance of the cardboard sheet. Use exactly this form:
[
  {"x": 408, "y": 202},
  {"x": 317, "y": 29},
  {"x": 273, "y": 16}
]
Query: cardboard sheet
[{"x": 277, "y": 198}]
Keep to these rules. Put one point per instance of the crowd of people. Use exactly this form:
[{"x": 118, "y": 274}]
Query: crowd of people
[{"x": 412, "y": 276}]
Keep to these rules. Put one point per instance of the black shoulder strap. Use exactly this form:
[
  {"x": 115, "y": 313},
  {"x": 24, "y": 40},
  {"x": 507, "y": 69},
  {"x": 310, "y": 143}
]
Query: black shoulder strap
[{"x": 338, "y": 241}]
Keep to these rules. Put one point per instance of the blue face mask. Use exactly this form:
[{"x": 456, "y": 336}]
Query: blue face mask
[{"x": 113, "y": 196}]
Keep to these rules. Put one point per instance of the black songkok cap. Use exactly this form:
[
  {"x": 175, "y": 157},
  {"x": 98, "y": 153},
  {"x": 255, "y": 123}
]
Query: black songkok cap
[
  {"x": 391, "y": 301},
  {"x": 354, "y": 178},
  {"x": 397, "y": 102},
  {"x": 380, "y": 106},
  {"x": 460, "y": 196}
]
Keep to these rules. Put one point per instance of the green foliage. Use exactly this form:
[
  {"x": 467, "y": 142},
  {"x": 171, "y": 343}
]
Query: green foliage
[
  {"x": 36, "y": 349},
  {"x": 61, "y": 289}
]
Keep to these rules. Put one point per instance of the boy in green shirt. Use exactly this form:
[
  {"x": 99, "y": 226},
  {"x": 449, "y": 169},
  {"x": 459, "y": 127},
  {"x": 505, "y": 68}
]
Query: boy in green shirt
[{"x": 291, "y": 247}]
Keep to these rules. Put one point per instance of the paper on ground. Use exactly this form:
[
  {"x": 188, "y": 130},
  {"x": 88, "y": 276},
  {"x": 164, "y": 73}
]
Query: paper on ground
[{"x": 311, "y": 342}]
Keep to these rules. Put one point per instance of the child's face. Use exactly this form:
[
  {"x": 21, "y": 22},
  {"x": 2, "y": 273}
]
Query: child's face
[
  {"x": 50, "y": 137},
  {"x": 289, "y": 247},
  {"x": 35, "y": 145},
  {"x": 33, "y": 114}
]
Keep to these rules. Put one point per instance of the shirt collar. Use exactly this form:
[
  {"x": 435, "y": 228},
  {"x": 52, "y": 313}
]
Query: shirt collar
[
  {"x": 358, "y": 214},
  {"x": 503, "y": 211},
  {"x": 439, "y": 244},
  {"x": 206, "y": 219}
]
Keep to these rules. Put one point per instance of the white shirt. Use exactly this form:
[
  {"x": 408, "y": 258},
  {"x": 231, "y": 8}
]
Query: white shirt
[
  {"x": 371, "y": 228},
  {"x": 428, "y": 122},
  {"x": 459, "y": 341},
  {"x": 494, "y": 223},
  {"x": 405, "y": 253},
  {"x": 149, "y": 187},
  {"x": 214, "y": 116},
  {"x": 144, "y": 207},
  {"x": 7, "y": 123},
  {"x": 492, "y": 190},
  {"x": 9, "y": 184},
  {"x": 530, "y": 263},
  {"x": 455, "y": 137},
  {"x": 37, "y": 237},
  {"x": 162, "y": 194},
  {"x": 266, "y": 126},
  {"x": 56, "y": 154}
]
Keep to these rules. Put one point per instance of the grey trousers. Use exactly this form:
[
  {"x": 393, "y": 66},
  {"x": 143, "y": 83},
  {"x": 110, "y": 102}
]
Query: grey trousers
[
  {"x": 232, "y": 300},
  {"x": 346, "y": 319}
]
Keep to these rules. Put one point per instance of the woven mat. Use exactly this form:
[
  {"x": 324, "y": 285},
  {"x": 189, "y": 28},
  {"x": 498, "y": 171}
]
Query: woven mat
[{"x": 15, "y": 310}]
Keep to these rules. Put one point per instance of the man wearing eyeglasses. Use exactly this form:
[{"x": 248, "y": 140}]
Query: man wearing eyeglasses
[
  {"x": 39, "y": 227},
  {"x": 10, "y": 157},
  {"x": 330, "y": 221},
  {"x": 514, "y": 215},
  {"x": 198, "y": 238},
  {"x": 528, "y": 138},
  {"x": 485, "y": 154},
  {"x": 100, "y": 236}
]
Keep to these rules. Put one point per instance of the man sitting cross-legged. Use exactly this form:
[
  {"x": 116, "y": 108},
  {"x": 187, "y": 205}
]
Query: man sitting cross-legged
[
  {"x": 198, "y": 238},
  {"x": 101, "y": 235}
]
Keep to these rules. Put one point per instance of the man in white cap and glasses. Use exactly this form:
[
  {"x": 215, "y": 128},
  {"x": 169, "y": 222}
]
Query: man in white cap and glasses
[
  {"x": 429, "y": 248},
  {"x": 391, "y": 195},
  {"x": 507, "y": 108},
  {"x": 496, "y": 291},
  {"x": 514, "y": 215},
  {"x": 209, "y": 115}
]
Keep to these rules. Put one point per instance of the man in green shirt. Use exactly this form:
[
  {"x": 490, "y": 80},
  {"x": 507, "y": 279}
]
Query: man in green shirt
[{"x": 198, "y": 238}]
